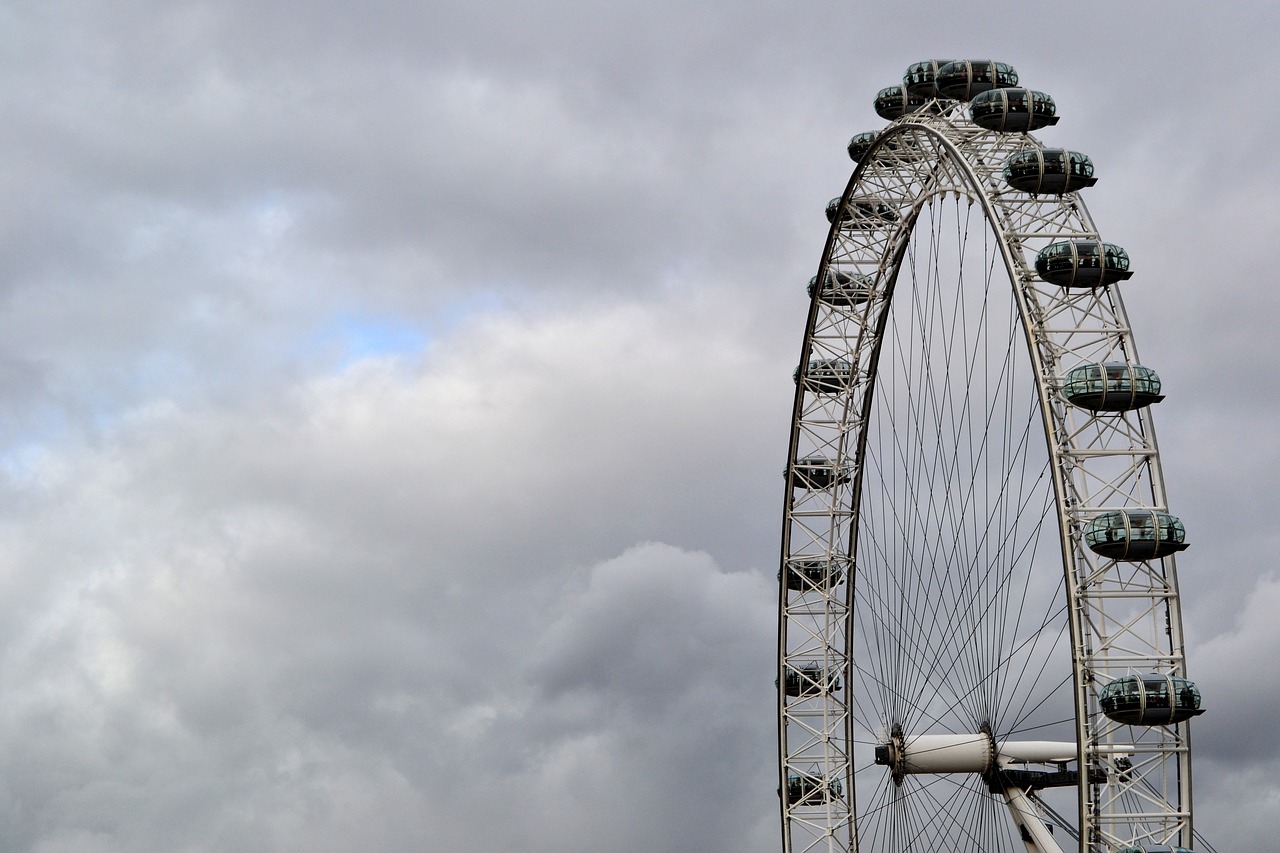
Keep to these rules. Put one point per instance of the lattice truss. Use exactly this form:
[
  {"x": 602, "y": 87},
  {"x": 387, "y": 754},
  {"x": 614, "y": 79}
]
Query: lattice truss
[{"x": 1124, "y": 615}]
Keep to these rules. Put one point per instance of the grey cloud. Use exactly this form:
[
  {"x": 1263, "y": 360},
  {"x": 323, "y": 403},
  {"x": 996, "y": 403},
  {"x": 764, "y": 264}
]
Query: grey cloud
[
  {"x": 261, "y": 594},
  {"x": 221, "y": 675}
]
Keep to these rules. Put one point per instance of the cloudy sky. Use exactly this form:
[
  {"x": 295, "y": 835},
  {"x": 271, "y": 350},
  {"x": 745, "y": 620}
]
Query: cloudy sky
[{"x": 394, "y": 398}]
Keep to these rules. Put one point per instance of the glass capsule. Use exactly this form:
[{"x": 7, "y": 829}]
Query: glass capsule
[
  {"x": 1013, "y": 110},
  {"x": 1048, "y": 170},
  {"x": 963, "y": 79},
  {"x": 1134, "y": 534},
  {"x": 807, "y": 789},
  {"x": 894, "y": 102},
  {"x": 818, "y": 472},
  {"x": 843, "y": 289},
  {"x": 1082, "y": 263},
  {"x": 861, "y": 214},
  {"x": 920, "y": 77},
  {"x": 1150, "y": 699},
  {"x": 806, "y": 574},
  {"x": 1111, "y": 387},
  {"x": 810, "y": 679},
  {"x": 826, "y": 376}
]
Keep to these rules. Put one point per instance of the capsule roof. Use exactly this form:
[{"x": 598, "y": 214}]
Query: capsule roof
[
  {"x": 1135, "y": 534},
  {"x": 965, "y": 78},
  {"x": 1013, "y": 110},
  {"x": 1150, "y": 699},
  {"x": 1048, "y": 170}
]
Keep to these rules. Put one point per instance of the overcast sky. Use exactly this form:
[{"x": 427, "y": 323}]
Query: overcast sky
[{"x": 394, "y": 398}]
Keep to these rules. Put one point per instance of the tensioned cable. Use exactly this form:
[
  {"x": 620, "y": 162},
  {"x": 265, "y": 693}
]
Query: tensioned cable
[
  {"x": 920, "y": 462},
  {"x": 912, "y": 610}
]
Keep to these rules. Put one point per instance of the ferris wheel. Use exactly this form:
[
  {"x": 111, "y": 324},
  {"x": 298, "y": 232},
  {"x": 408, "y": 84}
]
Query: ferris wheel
[{"x": 980, "y": 638}]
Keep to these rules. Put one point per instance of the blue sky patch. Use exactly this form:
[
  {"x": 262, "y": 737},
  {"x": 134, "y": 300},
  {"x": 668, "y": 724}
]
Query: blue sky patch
[{"x": 370, "y": 337}]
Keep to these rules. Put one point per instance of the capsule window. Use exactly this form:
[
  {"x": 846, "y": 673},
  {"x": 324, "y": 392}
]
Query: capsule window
[
  {"x": 1116, "y": 257},
  {"x": 1006, "y": 75},
  {"x": 1081, "y": 165},
  {"x": 918, "y": 74}
]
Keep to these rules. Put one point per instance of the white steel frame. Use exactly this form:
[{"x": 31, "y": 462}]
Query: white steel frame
[{"x": 1124, "y": 617}]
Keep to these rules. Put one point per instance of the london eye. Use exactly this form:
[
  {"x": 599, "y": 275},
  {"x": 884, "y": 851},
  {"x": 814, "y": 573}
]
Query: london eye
[{"x": 980, "y": 637}]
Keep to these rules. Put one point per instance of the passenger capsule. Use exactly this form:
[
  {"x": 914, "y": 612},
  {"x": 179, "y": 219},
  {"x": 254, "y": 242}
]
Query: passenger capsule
[
  {"x": 895, "y": 102},
  {"x": 843, "y": 289},
  {"x": 1152, "y": 848},
  {"x": 860, "y": 144},
  {"x": 1048, "y": 170},
  {"x": 1082, "y": 263},
  {"x": 1112, "y": 387},
  {"x": 811, "y": 679},
  {"x": 826, "y": 376},
  {"x": 898, "y": 145},
  {"x": 965, "y": 78},
  {"x": 1135, "y": 534},
  {"x": 1013, "y": 110},
  {"x": 806, "y": 789},
  {"x": 1150, "y": 699},
  {"x": 818, "y": 472},
  {"x": 921, "y": 77},
  {"x": 806, "y": 574},
  {"x": 862, "y": 214}
]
